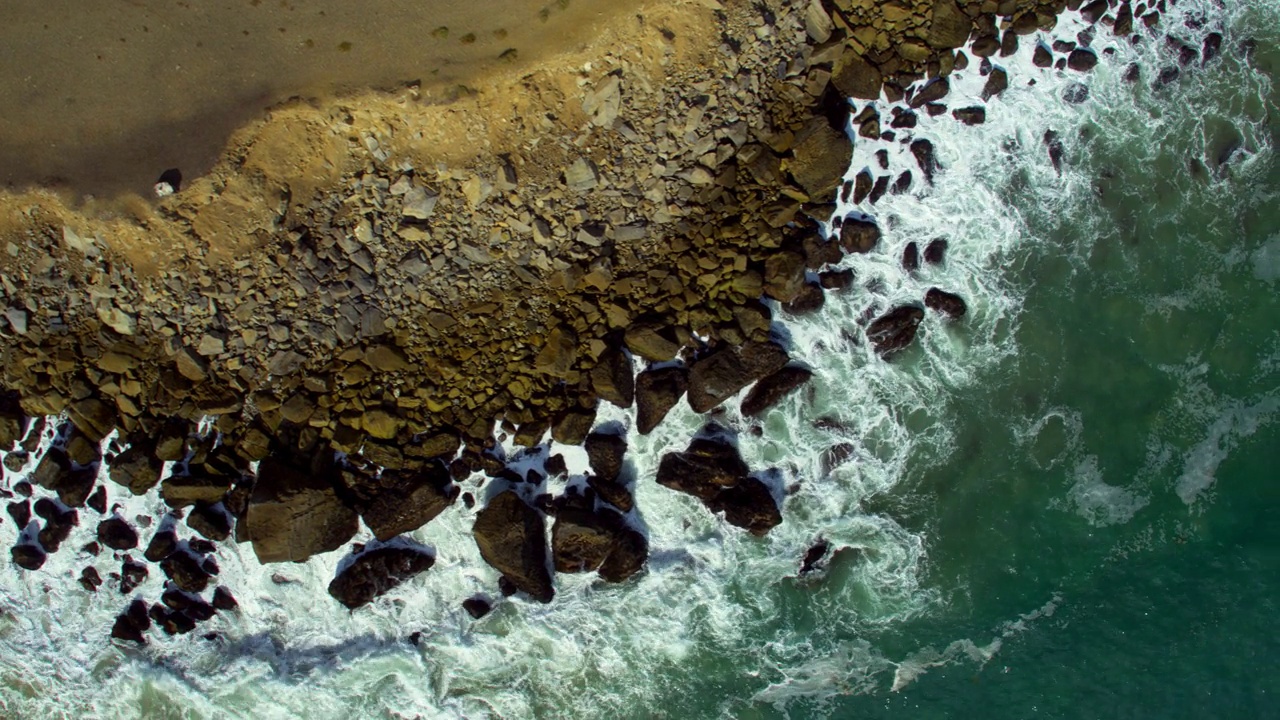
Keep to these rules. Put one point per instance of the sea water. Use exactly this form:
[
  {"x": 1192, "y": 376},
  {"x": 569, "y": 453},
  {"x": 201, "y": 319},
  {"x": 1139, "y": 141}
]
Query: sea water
[{"x": 1057, "y": 506}]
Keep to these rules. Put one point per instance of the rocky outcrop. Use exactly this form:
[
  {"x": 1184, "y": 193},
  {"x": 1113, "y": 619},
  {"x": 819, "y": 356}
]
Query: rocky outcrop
[
  {"x": 770, "y": 390},
  {"x": 295, "y": 514},
  {"x": 894, "y": 331},
  {"x": 657, "y": 391},
  {"x": 719, "y": 375},
  {"x": 584, "y": 539},
  {"x": 401, "y": 501},
  {"x": 949, "y": 304},
  {"x": 374, "y": 571},
  {"x": 711, "y": 470},
  {"x": 512, "y": 538}
]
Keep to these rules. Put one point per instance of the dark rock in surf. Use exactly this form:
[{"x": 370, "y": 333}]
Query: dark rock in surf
[
  {"x": 859, "y": 236},
  {"x": 371, "y": 573},
  {"x": 815, "y": 555},
  {"x": 657, "y": 391},
  {"x": 512, "y": 538},
  {"x": 810, "y": 300},
  {"x": 895, "y": 330},
  {"x": 186, "y": 571},
  {"x": 970, "y": 115},
  {"x": 613, "y": 379},
  {"x": 1082, "y": 60},
  {"x": 224, "y": 600},
  {"x": 769, "y": 391},
  {"x": 1211, "y": 48},
  {"x": 948, "y": 304},
  {"x": 705, "y": 468},
  {"x": 21, "y": 513},
  {"x": 836, "y": 279},
  {"x": 115, "y": 533},
  {"x": 922, "y": 150},
  {"x": 132, "y": 574},
  {"x": 911, "y": 257},
  {"x": 163, "y": 543},
  {"x": 1042, "y": 57},
  {"x": 749, "y": 505},
  {"x": 997, "y": 82},
  {"x": 1054, "y": 145},
  {"x": 28, "y": 555},
  {"x": 1075, "y": 93},
  {"x": 935, "y": 252},
  {"x": 477, "y": 607},
  {"x": 90, "y": 579},
  {"x": 931, "y": 92},
  {"x": 721, "y": 374}
]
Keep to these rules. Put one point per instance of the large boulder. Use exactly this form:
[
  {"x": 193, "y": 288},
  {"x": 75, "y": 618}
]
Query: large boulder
[
  {"x": 604, "y": 453},
  {"x": 749, "y": 505},
  {"x": 512, "y": 537},
  {"x": 711, "y": 470},
  {"x": 295, "y": 514},
  {"x": 115, "y": 533},
  {"x": 950, "y": 27},
  {"x": 768, "y": 391},
  {"x": 895, "y": 330},
  {"x": 948, "y": 304},
  {"x": 820, "y": 158},
  {"x": 719, "y": 375},
  {"x": 855, "y": 77},
  {"x": 859, "y": 236},
  {"x": 186, "y": 570},
  {"x": 587, "y": 540},
  {"x": 784, "y": 275},
  {"x": 72, "y": 483},
  {"x": 613, "y": 379},
  {"x": 651, "y": 340},
  {"x": 399, "y": 502},
  {"x": 657, "y": 391},
  {"x": 374, "y": 571}
]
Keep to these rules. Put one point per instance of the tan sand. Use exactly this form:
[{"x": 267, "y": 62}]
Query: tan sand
[{"x": 100, "y": 98}]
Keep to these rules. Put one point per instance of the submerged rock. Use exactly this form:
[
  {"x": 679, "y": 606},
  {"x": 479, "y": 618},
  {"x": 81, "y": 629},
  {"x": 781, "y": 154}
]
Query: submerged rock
[
  {"x": 477, "y": 607},
  {"x": 512, "y": 538},
  {"x": 375, "y": 571}
]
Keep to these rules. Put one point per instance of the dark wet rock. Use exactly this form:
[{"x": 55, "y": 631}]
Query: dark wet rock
[
  {"x": 986, "y": 45},
  {"x": 23, "y": 488},
  {"x": 295, "y": 514},
  {"x": 506, "y": 586},
  {"x": 59, "y": 521},
  {"x": 605, "y": 452},
  {"x": 970, "y": 115},
  {"x": 1211, "y": 48},
  {"x": 1075, "y": 93},
  {"x": 879, "y": 189},
  {"x": 512, "y": 538},
  {"x": 210, "y": 521},
  {"x": 161, "y": 545},
  {"x": 556, "y": 466},
  {"x": 92, "y": 548},
  {"x": 819, "y": 251},
  {"x": 703, "y": 470},
  {"x": 399, "y": 502},
  {"x": 770, "y": 390},
  {"x": 28, "y": 555},
  {"x": 132, "y": 574},
  {"x": 572, "y": 426},
  {"x": 1093, "y": 11},
  {"x": 902, "y": 184},
  {"x": 911, "y": 257},
  {"x": 836, "y": 279},
  {"x": 20, "y": 512},
  {"x": 815, "y": 555},
  {"x": 629, "y": 554},
  {"x": 131, "y": 623},
  {"x": 721, "y": 374},
  {"x": 477, "y": 607},
  {"x": 657, "y": 391},
  {"x": 1042, "y": 57},
  {"x": 997, "y": 82},
  {"x": 1124, "y": 20},
  {"x": 172, "y": 622},
  {"x": 859, "y": 236},
  {"x": 584, "y": 539},
  {"x": 1168, "y": 75},
  {"x": 223, "y": 599},
  {"x": 931, "y": 92},
  {"x": 373, "y": 572},
  {"x": 895, "y": 330},
  {"x": 186, "y": 571},
  {"x": 613, "y": 379},
  {"x": 72, "y": 484},
  {"x": 749, "y": 505},
  {"x": 948, "y": 304},
  {"x": 1082, "y": 60},
  {"x": 1054, "y": 145},
  {"x": 810, "y": 300},
  {"x": 193, "y": 606},
  {"x": 902, "y": 120},
  {"x": 923, "y": 152},
  {"x": 862, "y": 185},
  {"x": 90, "y": 579},
  {"x": 115, "y": 533},
  {"x": 98, "y": 500}
]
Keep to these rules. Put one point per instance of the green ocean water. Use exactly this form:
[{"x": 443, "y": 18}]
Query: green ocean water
[{"x": 1061, "y": 507}]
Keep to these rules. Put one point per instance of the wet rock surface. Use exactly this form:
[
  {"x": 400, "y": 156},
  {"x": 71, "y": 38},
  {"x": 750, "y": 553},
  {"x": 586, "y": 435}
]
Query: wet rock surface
[
  {"x": 374, "y": 571},
  {"x": 511, "y": 536}
]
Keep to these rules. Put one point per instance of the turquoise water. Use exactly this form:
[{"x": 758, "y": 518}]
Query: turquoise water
[{"x": 1059, "y": 507}]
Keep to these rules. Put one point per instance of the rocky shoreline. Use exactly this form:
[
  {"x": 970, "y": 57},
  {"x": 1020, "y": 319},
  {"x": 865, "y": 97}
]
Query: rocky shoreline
[{"x": 350, "y": 343}]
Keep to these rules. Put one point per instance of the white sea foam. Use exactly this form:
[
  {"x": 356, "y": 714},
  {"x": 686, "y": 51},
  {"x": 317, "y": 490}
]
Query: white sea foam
[{"x": 710, "y": 590}]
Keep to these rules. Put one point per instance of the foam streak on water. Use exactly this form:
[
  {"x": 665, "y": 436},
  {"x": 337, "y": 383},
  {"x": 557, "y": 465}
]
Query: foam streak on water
[{"x": 715, "y": 615}]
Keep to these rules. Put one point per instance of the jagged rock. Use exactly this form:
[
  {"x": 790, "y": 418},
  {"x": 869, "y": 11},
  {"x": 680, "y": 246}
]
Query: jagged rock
[
  {"x": 1124, "y": 20},
  {"x": 373, "y": 572},
  {"x": 911, "y": 257},
  {"x": 816, "y": 554},
  {"x": 477, "y": 607},
  {"x": 836, "y": 279},
  {"x": 719, "y": 375},
  {"x": 512, "y": 538},
  {"x": 132, "y": 574},
  {"x": 935, "y": 252},
  {"x": 948, "y": 304},
  {"x": 997, "y": 82},
  {"x": 855, "y": 77},
  {"x": 186, "y": 571},
  {"x": 809, "y": 300},
  {"x": 651, "y": 341},
  {"x": 819, "y": 251},
  {"x": 605, "y": 452},
  {"x": 193, "y": 606},
  {"x": 90, "y": 579},
  {"x": 131, "y": 623},
  {"x": 196, "y": 487},
  {"x": 748, "y": 505},
  {"x": 12, "y": 420},
  {"x": 820, "y": 158},
  {"x": 859, "y": 236},
  {"x": 58, "y": 523},
  {"x": 170, "y": 444},
  {"x": 558, "y": 353},
  {"x": 895, "y": 330},
  {"x": 1042, "y": 56},
  {"x": 164, "y": 542},
  {"x": 403, "y": 501},
  {"x": 950, "y": 27},
  {"x": 224, "y": 600},
  {"x": 81, "y": 450},
  {"x": 92, "y": 417},
  {"x": 98, "y": 500},
  {"x": 211, "y": 521},
  {"x": 613, "y": 379},
  {"x": 295, "y": 514},
  {"x": 585, "y": 540},
  {"x": 931, "y": 92},
  {"x": 970, "y": 115},
  {"x": 116, "y": 534},
  {"x": 55, "y": 472},
  {"x": 629, "y": 554},
  {"x": 573, "y": 426},
  {"x": 28, "y": 556},
  {"x": 922, "y": 150},
  {"x": 863, "y": 183},
  {"x": 20, "y": 511},
  {"x": 705, "y": 468},
  {"x": 657, "y": 391},
  {"x": 768, "y": 391},
  {"x": 784, "y": 275},
  {"x": 173, "y": 623}
]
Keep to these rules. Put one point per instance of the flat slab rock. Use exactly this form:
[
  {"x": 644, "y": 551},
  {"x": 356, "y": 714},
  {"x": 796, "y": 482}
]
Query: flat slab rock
[
  {"x": 512, "y": 537},
  {"x": 375, "y": 571},
  {"x": 294, "y": 514}
]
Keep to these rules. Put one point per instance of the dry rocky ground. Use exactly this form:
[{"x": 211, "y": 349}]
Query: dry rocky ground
[{"x": 387, "y": 277}]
